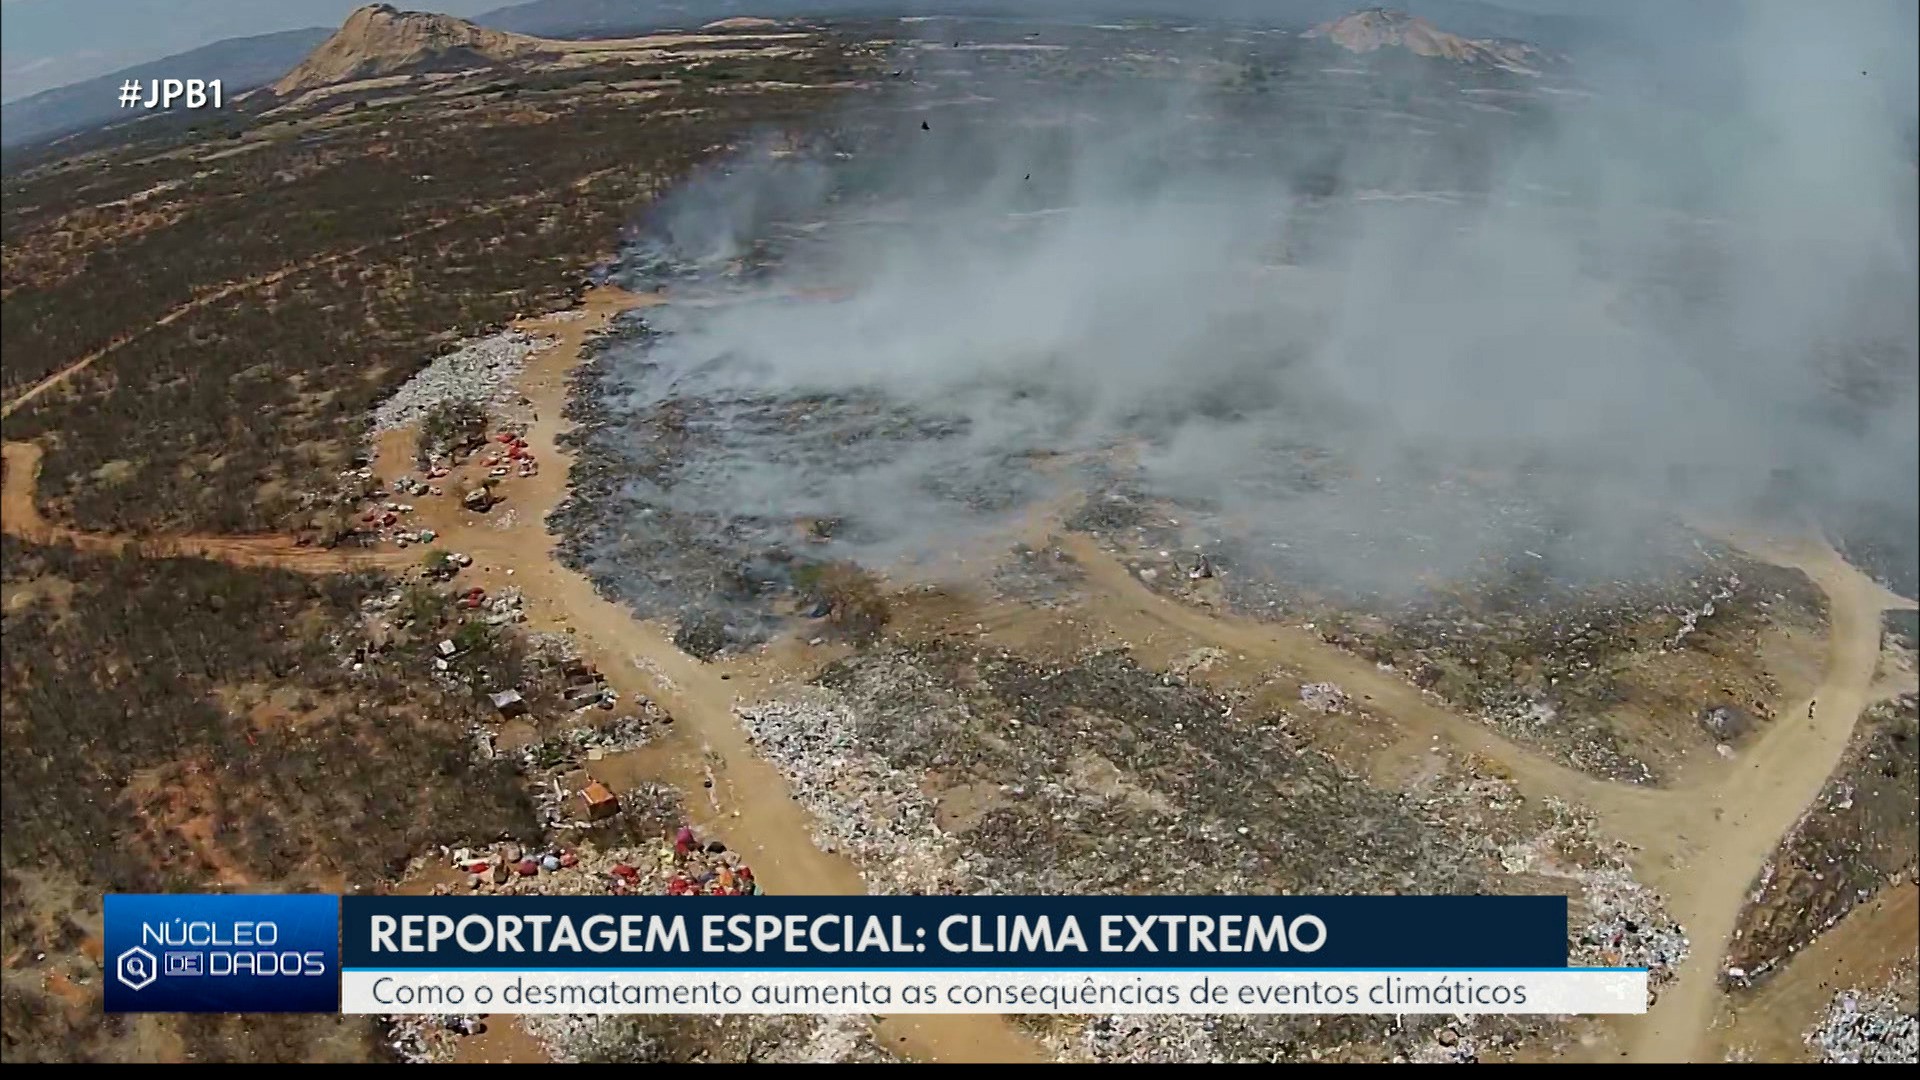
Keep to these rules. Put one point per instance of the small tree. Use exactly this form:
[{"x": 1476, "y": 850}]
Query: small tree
[
  {"x": 454, "y": 424},
  {"x": 439, "y": 564}
]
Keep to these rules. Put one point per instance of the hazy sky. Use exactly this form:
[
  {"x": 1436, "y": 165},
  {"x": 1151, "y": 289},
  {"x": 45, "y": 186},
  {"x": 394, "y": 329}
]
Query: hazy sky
[{"x": 48, "y": 43}]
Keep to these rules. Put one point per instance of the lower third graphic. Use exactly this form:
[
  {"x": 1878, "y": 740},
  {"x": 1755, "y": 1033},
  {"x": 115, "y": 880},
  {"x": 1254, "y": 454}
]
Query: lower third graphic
[{"x": 225, "y": 953}]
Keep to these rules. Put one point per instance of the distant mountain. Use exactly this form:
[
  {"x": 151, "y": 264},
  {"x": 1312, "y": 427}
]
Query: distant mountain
[
  {"x": 614, "y": 18},
  {"x": 239, "y": 63},
  {"x": 415, "y": 42},
  {"x": 1378, "y": 28},
  {"x": 380, "y": 39}
]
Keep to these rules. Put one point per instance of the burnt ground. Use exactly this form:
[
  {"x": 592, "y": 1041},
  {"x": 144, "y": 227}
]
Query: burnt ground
[
  {"x": 700, "y": 494},
  {"x": 1620, "y": 673},
  {"x": 949, "y": 764},
  {"x": 1862, "y": 835}
]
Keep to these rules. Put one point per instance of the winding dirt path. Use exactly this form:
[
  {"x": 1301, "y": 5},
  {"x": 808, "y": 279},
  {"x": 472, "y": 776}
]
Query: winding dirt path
[
  {"x": 1701, "y": 845},
  {"x": 1719, "y": 835},
  {"x": 21, "y": 517},
  {"x": 234, "y": 289}
]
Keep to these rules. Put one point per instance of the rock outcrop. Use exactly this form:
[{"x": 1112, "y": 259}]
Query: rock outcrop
[
  {"x": 380, "y": 39},
  {"x": 1377, "y": 28}
]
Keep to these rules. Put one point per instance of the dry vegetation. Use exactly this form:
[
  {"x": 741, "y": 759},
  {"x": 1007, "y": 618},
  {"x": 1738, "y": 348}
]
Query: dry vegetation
[
  {"x": 251, "y": 289},
  {"x": 371, "y": 239},
  {"x": 179, "y": 724}
]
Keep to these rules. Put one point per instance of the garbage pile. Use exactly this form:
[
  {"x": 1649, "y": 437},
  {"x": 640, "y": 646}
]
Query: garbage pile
[
  {"x": 1690, "y": 619},
  {"x": 618, "y": 735},
  {"x": 688, "y": 866},
  {"x": 685, "y": 867},
  {"x": 512, "y": 459},
  {"x": 1614, "y": 920},
  {"x": 502, "y": 867},
  {"x": 384, "y": 518},
  {"x": 954, "y": 768},
  {"x": 482, "y": 371},
  {"x": 507, "y": 606},
  {"x": 703, "y": 869},
  {"x": 445, "y": 568},
  {"x": 863, "y": 805},
  {"x": 1627, "y": 927},
  {"x": 407, "y": 485},
  {"x": 1149, "y": 1038},
  {"x": 424, "y": 1040},
  {"x": 1325, "y": 697},
  {"x": 1868, "y": 1028}
]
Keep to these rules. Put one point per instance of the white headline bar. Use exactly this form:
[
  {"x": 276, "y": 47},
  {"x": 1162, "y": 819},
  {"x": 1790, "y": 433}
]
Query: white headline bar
[{"x": 1578, "y": 992}]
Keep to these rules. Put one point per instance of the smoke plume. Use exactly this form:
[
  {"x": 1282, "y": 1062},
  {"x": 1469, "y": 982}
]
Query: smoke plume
[{"x": 1380, "y": 321}]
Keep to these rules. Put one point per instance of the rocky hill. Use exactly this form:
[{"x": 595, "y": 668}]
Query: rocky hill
[
  {"x": 1377, "y": 28},
  {"x": 380, "y": 39}
]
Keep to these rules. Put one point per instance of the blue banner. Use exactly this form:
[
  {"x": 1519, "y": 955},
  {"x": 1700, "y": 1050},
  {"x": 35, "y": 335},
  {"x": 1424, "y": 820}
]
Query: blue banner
[
  {"x": 226, "y": 953},
  {"x": 960, "y": 933}
]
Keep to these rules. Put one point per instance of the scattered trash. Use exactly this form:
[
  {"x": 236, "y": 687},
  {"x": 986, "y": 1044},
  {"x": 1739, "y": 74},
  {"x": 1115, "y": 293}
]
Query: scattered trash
[
  {"x": 481, "y": 371},
  {"x": 1869, "y": 1028},
  {"x": 1324, "y": 697}
]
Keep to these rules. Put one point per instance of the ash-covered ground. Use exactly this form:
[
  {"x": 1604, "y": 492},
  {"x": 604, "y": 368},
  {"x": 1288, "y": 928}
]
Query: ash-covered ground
[{"x": 1439, "y": 358}]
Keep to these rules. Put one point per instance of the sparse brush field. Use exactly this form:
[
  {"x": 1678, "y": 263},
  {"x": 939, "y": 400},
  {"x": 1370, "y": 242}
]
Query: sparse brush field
[
  {"x": 176, "y": 724},
  {"x": 249, "y": 291},
  {"x": 334, "y": 256}
]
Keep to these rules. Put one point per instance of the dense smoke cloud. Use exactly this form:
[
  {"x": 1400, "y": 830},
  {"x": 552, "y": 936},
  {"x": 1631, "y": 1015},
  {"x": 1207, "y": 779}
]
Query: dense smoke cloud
[{"x": 1643, "y": 300}]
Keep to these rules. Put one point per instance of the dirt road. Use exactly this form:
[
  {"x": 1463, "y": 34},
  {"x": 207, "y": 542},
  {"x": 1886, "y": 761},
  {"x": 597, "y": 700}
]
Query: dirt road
[
  {"x": 1719, "y": 834},
  {"x": 20, "y": 514},
  {"x": 1702, "y": 845},
  {"x": 749, "y": 802}
]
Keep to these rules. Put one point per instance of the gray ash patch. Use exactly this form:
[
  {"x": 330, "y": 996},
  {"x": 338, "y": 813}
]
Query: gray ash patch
[
  {"x": 1043, "y": 576},
  {"x": 696, "y": 499},
  {"x": 1542, "y": 638}
]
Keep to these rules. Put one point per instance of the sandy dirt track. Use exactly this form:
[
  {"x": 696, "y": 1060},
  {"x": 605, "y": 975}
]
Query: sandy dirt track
[{"x": 23, "y": 519}]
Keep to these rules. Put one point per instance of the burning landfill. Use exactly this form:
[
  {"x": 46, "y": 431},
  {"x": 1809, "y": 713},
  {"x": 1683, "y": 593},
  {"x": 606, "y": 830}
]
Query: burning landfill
[{"x": 1264, "y": 393}]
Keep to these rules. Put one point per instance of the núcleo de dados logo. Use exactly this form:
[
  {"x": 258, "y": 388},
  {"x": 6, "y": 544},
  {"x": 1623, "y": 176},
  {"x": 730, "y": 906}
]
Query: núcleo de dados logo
[{"x": 228, "y": 953}]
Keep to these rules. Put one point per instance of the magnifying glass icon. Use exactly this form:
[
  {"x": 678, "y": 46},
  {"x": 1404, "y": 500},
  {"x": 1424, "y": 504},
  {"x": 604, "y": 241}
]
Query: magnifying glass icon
[{"x": 137, "y": 967}]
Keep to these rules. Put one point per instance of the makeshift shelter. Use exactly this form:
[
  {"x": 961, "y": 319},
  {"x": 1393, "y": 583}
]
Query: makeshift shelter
[{"x": 600, "y": 800}]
